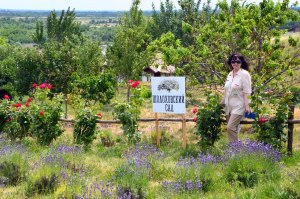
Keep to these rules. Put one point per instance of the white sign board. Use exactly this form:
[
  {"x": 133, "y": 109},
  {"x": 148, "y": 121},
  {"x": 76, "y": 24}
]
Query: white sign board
[{"x": 168, "y": 94}]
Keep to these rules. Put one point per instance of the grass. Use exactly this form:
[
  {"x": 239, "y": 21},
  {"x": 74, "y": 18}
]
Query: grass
[
  {"x": 151, "y": 173},
  {"x": 147, "y": 172}
]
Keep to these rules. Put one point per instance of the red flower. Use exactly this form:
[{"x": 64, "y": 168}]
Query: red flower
[
  {"x": 43, "y": 86},
  {"x": 195, "y": 110},
  {"x": 29, "y": 99},
  {"x": 135, "y": 84},
  {"x": 9, "y": 119},
  {"x": 100, "y": 115},
  {"x": 34, "y": 85},
  {"x": 6, "y": 97},
  {"x": 262, "y": 120},
  {"x": 130, "y": 81},
  {"x": 17, "y": 105},
  {"x": 195, "y": 119},
  {"x": 27, "y": 104},
  {"x": 42, "y": 113},
  {"x": 49, "y": 86}
]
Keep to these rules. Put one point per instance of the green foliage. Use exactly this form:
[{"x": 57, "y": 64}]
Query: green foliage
[
  {"x": 296, "y": 95},
  {"x": 107, "y": 139},
  {"x": 146, "y": 93},
  {"x": 15, "y": 119},
  {"x": 17, "y": 29},
  {"x": 209, "y": 120},
  {"x": 4, "y": 113},
  {"x": 271, "y": 131},
  {"x": 45, "y": 184},
  {"x": 62, "y": 27},
  {"x": 248, "y": 170},
  {"x": 13, "y": 169},
  {"x": 38, "y": 37},
  {"x": 8, "y": 61},
  {"x": 247, "y": 28},
  {"x": 99, "y": 88},
  {"x": 30, "y": 67},
  {"x": 38, "y": 117},
  {"x": 129, "y": 113},
  {"x": 18, "y": 122},
  {"x": 170, "y": 47},
  {"x": 127, "y": 56},
  {"x": 165, "y": 137},
  {"x": 84, "y": 128},
  {"x": 61, "y": 62},
  {"x": 45, "y": 114},
  {"x": 167, "y": 20}
]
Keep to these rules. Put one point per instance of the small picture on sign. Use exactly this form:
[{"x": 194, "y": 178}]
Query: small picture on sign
[{"x": 168, "y": 85}]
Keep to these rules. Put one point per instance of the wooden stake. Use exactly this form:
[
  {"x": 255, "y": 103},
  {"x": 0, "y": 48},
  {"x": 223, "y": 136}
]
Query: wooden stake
[
  {"x": 290, "y": 131},
  {"x": 183, "y": 131},
  {"x": 157, "y": 131}
]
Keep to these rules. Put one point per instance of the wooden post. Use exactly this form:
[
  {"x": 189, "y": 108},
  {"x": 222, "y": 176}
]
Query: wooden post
[
  {"x": 157, "y": 131},
  {"x": 183, "y": 131},
  {"x": 290, "y": 131},
  {"x": 66, "y": 106}
]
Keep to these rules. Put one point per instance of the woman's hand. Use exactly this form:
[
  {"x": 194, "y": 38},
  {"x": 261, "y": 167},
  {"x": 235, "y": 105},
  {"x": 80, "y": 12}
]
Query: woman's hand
[
  {"x": 247, "y": 109},
  {"x": 222, "y": 102}
]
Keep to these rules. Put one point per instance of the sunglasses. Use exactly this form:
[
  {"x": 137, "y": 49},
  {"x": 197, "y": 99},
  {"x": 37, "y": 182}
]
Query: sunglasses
[{"x": 236, "y": 62}]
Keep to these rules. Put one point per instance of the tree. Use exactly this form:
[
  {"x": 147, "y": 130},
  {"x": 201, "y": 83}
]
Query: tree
[
  {"x": 38, "y": 37},
  {"x": 63, "y": 27},
  {"x": 167, "y": 20},
  {"x": 250, "y": 29},
  {"x": 58, "y": 28},
  {"x": 30, "y": 64},
  {"x": 127, "y": 56}
]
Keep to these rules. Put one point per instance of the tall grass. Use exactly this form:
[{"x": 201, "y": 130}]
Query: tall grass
[{"x": 245, "y": 169}]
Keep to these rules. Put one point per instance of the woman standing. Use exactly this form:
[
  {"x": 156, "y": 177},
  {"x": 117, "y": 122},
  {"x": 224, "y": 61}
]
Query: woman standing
[{"x": 237, "y": 90}]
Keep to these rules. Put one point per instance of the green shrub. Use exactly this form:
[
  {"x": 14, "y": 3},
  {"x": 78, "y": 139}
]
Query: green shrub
[
  {"x": 131, "y": 182},
  {"x": 248, "y": 170},
  {"x": 272, "y": 112},
  {"x": 127, "y": 115},
  {"x": 19, "y": 122},
  {"x": 44, "y": 180},
  {"x": 10, "y": 173},
  {"x": 43, "y": 185},
  {"x": 4, "y": 112},
  {"x": 165, "y": 137},
  {"x": 209, "y": 120},
  {"x": 45, "y": 115},
  {"x": 85, "y": 127},
  {"x": 107, "y": 139},
  {"x": 13, "y": 169}
]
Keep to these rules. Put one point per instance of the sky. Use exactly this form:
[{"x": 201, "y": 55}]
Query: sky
[
  {"x": 77, "y": 4},
  {"x": 97, "y": 5}
]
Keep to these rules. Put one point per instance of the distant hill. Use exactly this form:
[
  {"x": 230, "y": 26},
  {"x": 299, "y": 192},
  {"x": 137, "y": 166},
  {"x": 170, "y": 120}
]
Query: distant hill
[{"x": 79, "y": 13}]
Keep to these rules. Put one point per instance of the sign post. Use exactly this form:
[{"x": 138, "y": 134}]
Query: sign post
[
  {"x": 183, "y": 132},
  {"x": 168, "y": 96},
  {"x": 157, "y": 131}
]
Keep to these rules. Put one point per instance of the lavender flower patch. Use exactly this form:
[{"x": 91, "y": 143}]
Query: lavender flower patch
[
  {"x": 201, "y": 159},
  {"x": 251, "y": 147},
  {"x": 99, "y": 189},
  {"x": 12, "y": 148},
  {"x": 141, "y": 156},
  {"x": 63, "y": 149},
  {"x": 56, "y": 156},
  {"x": 180, "y": 185}
]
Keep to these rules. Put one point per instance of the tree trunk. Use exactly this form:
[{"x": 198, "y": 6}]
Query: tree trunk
[
  {"x": 258, "y": 68},
  {"x": 66, "y": 105},
  {"x": 128, "y": 93}
]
